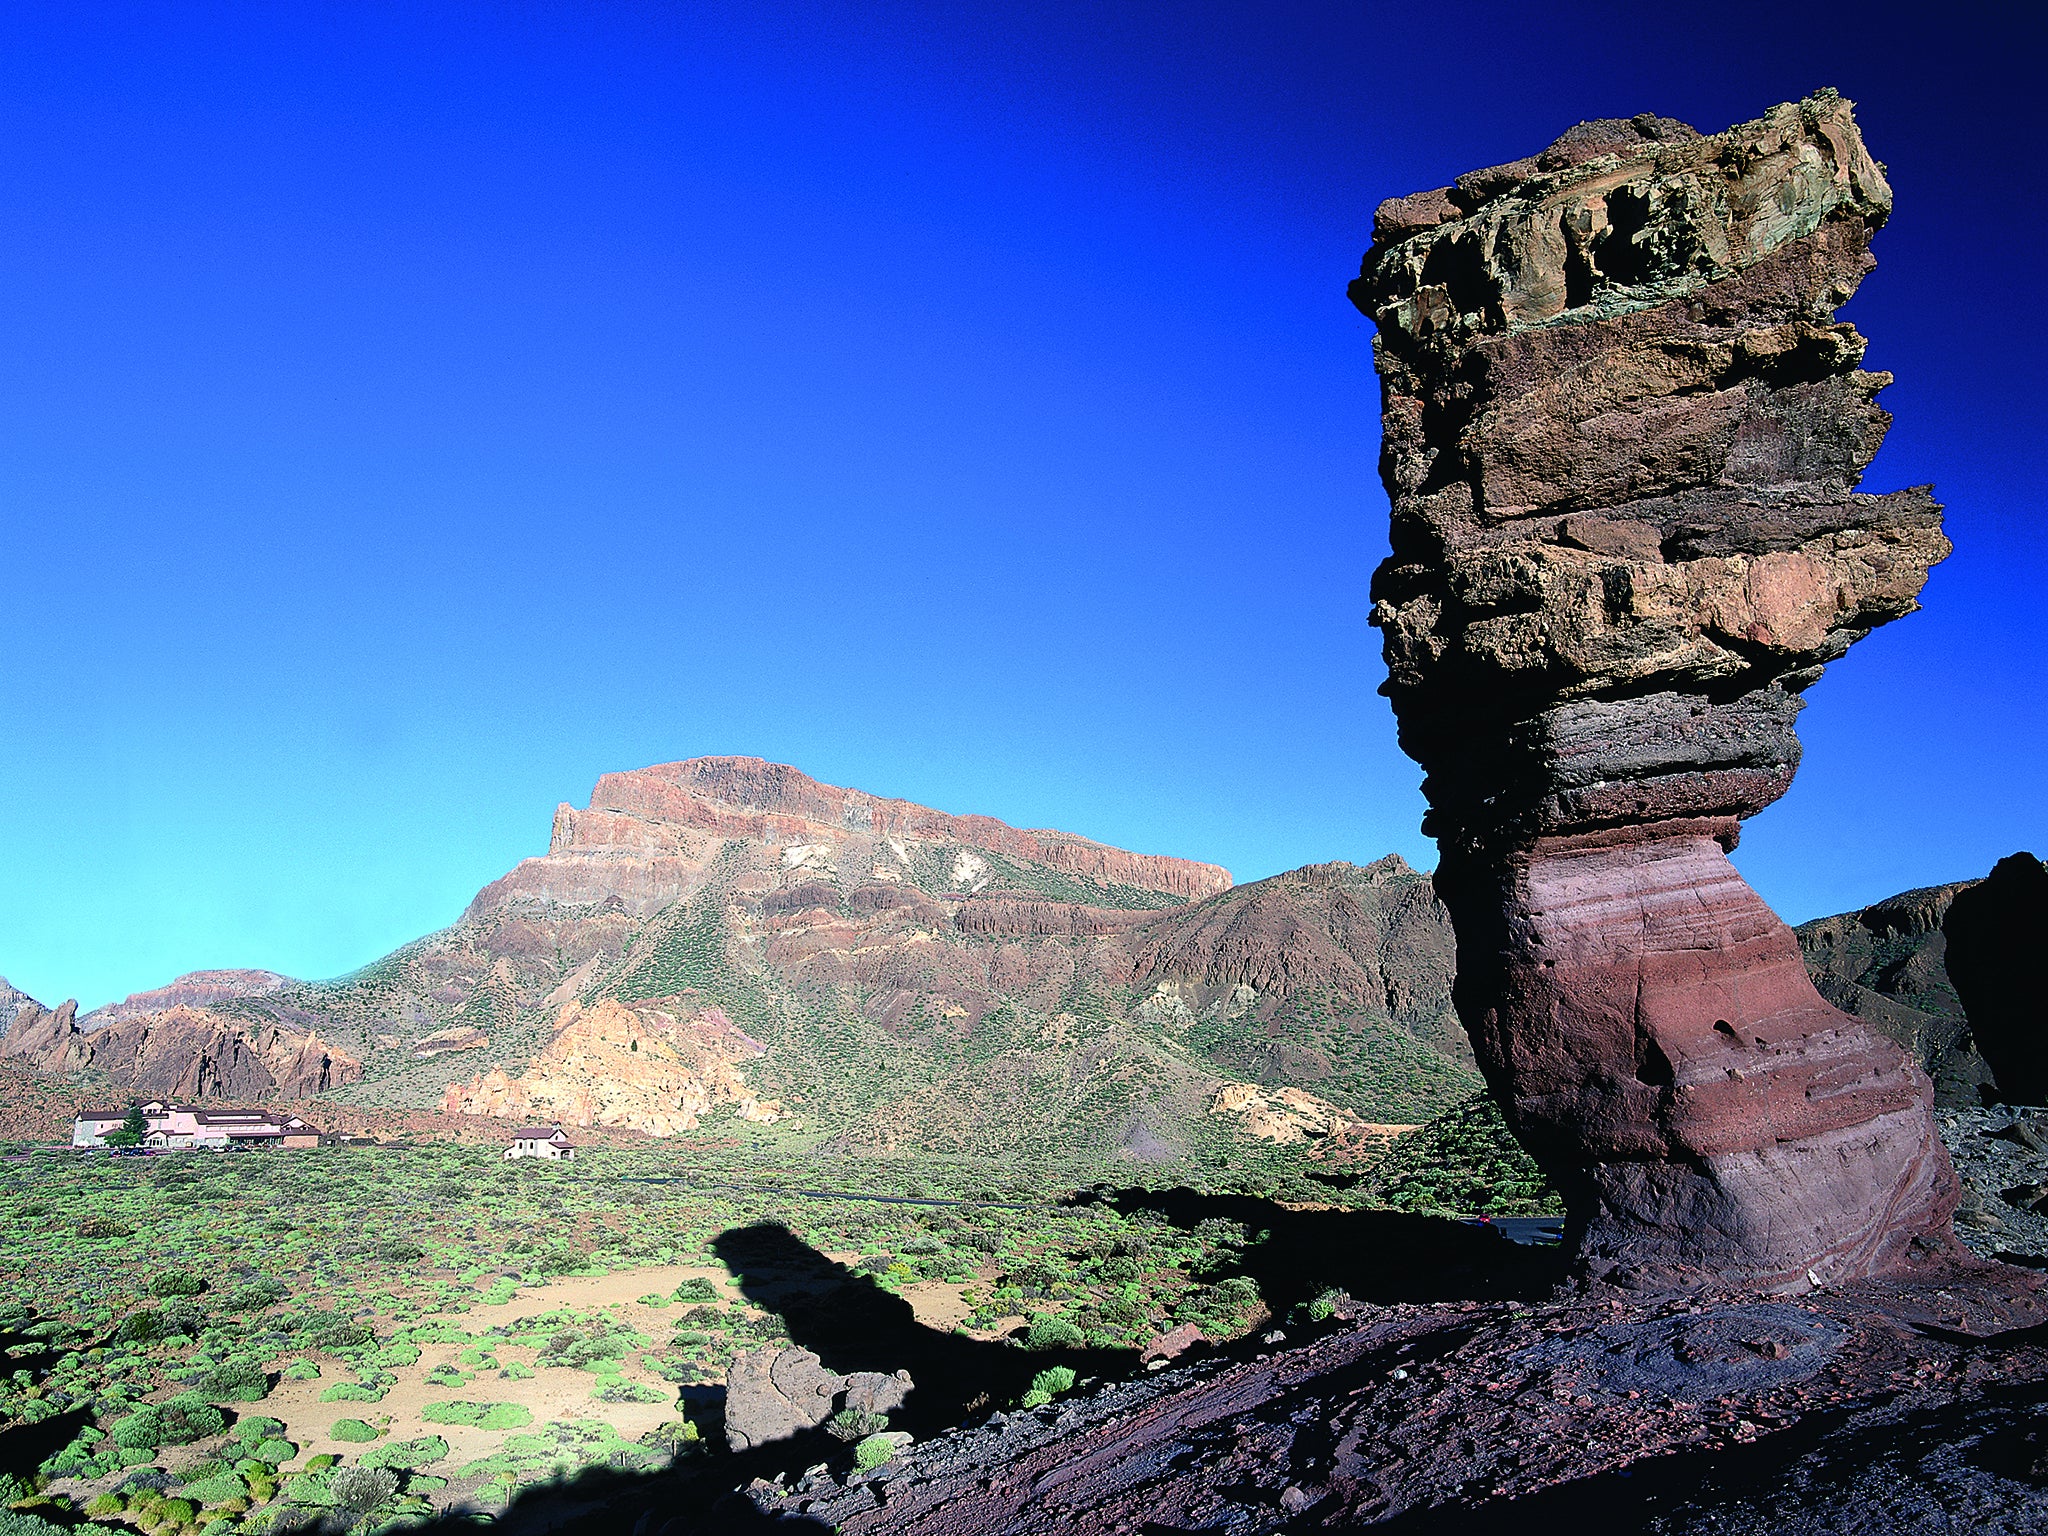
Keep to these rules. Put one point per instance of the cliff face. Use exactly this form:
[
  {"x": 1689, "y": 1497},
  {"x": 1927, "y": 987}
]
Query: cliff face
[
  {"x": 1887, "y": 965},
  {"x": 195, "y": 989},
  {"x": 1623, "y": 438},
  {"x": 12, "y": 1004}
]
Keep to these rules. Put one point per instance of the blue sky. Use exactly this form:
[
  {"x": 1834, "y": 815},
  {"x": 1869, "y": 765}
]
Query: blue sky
[{"x": 408, "y": 413}]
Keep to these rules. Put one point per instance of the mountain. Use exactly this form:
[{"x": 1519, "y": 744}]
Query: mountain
[{"x": 728, "y": 944}]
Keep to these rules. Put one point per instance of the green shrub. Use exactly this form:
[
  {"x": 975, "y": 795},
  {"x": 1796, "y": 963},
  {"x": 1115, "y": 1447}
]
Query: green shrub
[
  {"x": 185, "y": 1418},
  {"x": 176, "y": 1282},
  {"x": 255, "y": 1296},
  {"x": 697, "y": 1288},
  {"x": 873, "y": 1451},
  {"x": 217, "y": 1489},
  {"x": 139, "y": 1328},
  {"x": 321, "y": 1462},
  {"x": 352, "y": 1392},
  {"x": 26, "y": 1522},
  {"x": 354, "y": 1431},
  {"x": 1325, "y": 1304},
  {"x": 628, "y": 1392},
  {"x": 851, "y": 1424},
  {"x": 345, "y": 1333},
  {"x": 102, "y": 1226},
  {"x": 302, "y": 1370},
  {"x": 1047, "y": 1385},
  {"x": 275, "y": 1452},
  {"x": 1053, "y": 1333},
  {"x": 236, "y": 1382},
  {"x": 363, "y": 1489},
  {"x": 478, "y": 1415},
  {"x": 407, "y": 1454}
]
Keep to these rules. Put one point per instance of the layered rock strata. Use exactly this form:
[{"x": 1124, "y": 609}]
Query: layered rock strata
[{"x": 1623, "y": 438}]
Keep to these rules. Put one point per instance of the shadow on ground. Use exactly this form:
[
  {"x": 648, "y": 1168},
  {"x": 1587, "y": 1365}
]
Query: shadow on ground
[
  {"x": 1384, "y": 1257},
  {"x": 853, "y": 1324}
]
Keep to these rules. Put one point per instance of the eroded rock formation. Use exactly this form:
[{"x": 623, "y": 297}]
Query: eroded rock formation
[
  {"x": 656, "y": 1067},
  {"x": 182, "y": 1053},
  {"x": 1623, "y": 437}
]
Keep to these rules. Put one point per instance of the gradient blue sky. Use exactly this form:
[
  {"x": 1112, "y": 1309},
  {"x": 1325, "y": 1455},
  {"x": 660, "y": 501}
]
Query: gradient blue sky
[{"x": 409, "y": 412}]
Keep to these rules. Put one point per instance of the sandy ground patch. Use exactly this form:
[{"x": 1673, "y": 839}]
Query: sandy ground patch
[
  {"x": 622, "y": 1289},
  {"x": 938, "y": 1303}
]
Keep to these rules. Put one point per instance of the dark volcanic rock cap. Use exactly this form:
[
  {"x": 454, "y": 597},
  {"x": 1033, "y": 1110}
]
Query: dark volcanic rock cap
[{"x": 1623, "y": 438}]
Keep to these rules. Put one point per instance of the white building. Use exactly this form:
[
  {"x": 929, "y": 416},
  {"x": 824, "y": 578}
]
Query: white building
[{"x": 540, "y": 1141}]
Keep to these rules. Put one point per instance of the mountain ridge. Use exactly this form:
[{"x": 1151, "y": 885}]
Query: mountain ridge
[{"x": 903, "y": 977}]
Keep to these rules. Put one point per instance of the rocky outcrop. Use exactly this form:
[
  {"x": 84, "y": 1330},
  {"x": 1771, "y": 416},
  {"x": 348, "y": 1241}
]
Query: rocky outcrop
[
  {"x": 655, "y": 1067},
  {"x": 1714, "y": 1416},
  {"x": 1992, "y": 928},
  {"x": 1887, "y": 965},
  {"x": 1623, "y": 434},
  {"x": 45, "y": 1038},
  {"x": 183, "y": 1053}
]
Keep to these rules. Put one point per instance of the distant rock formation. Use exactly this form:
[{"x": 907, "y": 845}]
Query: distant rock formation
[
  {"x": 1623, "y": 435},
  {"x": 645, "y": 833},
  {"x": 1992, "y": 928},
  {"x": 912, "y": 978},
  {"x": 182, "y": 1053},
  {"x": 656, "y": 1067}
]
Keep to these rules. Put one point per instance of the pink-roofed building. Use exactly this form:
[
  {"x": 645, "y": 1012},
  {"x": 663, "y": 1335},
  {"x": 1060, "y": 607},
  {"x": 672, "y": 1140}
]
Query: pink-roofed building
[{"x": 194, "y": 1126}]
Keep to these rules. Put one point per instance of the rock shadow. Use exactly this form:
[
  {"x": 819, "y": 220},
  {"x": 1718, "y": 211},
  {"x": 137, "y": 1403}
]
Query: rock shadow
[
  {"x": 852, "y": 1324},
  {"x": 1383, "y": 1257}
]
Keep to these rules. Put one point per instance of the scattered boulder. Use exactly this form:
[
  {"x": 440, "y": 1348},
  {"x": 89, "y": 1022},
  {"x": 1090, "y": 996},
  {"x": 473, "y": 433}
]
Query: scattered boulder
[
  {"x": 872, "y": 1392},
  {"x": 1172, "y": 1344},
  {"x": 773, "y": 1394}
]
